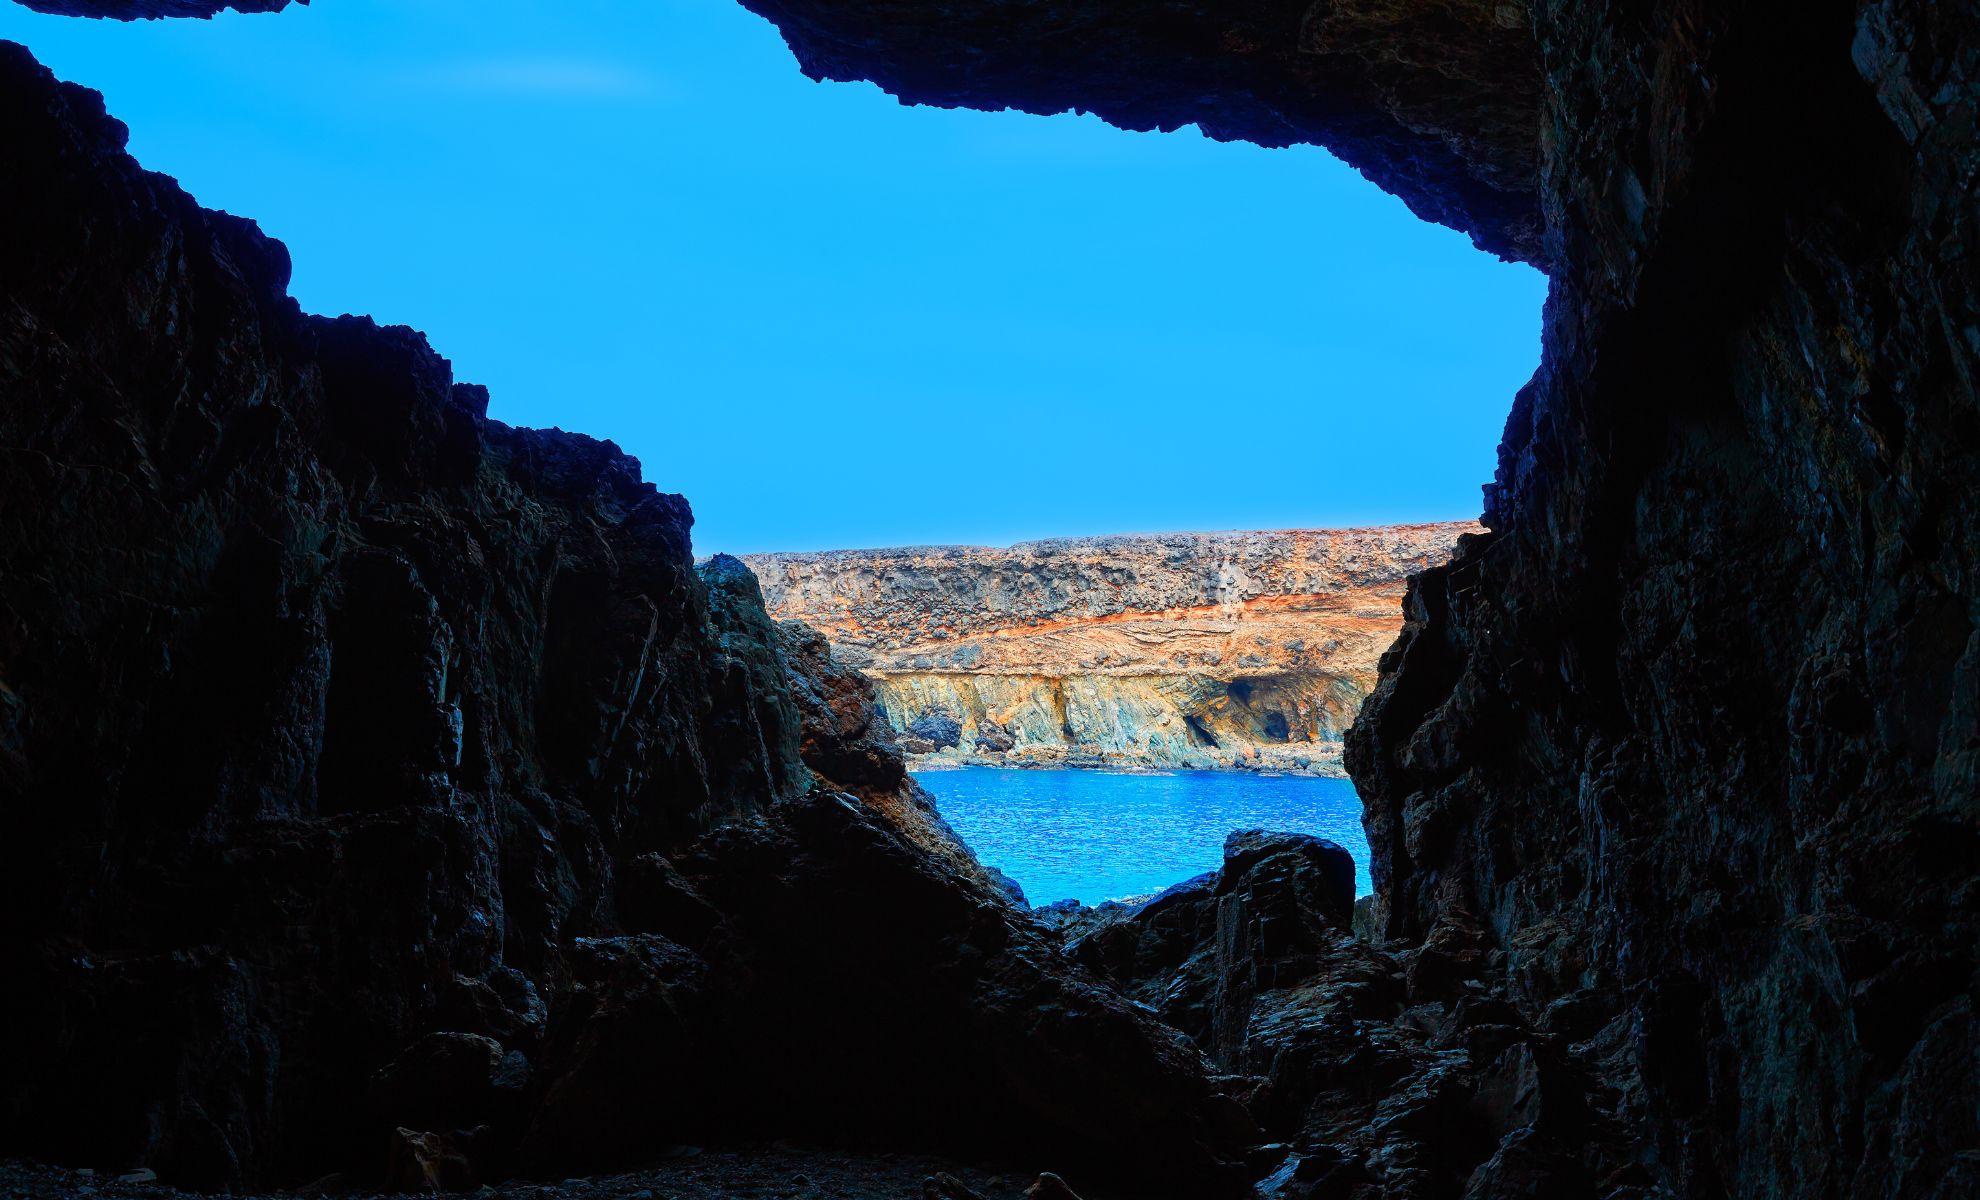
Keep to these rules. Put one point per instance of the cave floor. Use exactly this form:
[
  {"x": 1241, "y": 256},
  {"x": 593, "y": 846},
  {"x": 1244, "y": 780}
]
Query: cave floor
[{"x": 774, "y": 1173}]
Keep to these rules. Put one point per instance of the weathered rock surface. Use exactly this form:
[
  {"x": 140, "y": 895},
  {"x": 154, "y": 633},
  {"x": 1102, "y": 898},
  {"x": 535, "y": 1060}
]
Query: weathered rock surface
[
  {"x": 1698, "y": 725},
  {"x": 386, "y": 791},
  {"x": 1376, "y": 1073},
  {"x": 1693, "y": 732},
  {"x": 329, "y": 707},
  {"x": 686, "y": 1173},
  {"x": 1199, "y": 952},
  {"x": 1249, "y": 650}
]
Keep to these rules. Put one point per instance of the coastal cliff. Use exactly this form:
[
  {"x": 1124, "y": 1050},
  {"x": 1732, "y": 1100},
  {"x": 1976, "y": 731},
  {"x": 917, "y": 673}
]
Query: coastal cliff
[{"x": 1247, "y": 650}]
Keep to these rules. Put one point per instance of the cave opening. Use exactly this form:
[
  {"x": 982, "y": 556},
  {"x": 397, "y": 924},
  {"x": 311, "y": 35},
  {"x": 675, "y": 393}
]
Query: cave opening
[
  {"x": 1004, "y": 281},
  {"x": 948, "y": 230},
  {"x": 397, "y": 794},
  {"x": 1200, "y": 731}
]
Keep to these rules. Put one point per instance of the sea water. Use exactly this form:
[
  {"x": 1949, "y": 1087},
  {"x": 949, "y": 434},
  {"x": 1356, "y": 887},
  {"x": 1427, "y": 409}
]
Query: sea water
[{"x": 1102, "y": 835}]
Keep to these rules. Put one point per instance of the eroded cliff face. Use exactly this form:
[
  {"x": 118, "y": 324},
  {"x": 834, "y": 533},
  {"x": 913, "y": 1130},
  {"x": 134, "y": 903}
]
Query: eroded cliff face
[
  {"x": 1246, "y": 650},
  {"x": 1694, "y": 731},
  {"x": 387, "y": 792}
]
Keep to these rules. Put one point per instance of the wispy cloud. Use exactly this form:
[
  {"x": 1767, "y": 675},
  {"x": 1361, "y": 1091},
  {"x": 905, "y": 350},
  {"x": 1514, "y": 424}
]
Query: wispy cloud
[{"x": 544, "y": 76}]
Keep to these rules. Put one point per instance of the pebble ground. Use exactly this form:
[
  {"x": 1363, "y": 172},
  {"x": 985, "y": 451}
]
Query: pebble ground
[{"x": 776, "y": 1173}]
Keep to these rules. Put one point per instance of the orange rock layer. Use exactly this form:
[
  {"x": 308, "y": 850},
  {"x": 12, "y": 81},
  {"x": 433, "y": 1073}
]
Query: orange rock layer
[{"x": 1245, "y": 650}]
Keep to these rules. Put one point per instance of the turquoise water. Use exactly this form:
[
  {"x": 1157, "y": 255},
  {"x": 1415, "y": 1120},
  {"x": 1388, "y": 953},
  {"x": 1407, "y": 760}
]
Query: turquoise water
[{"x": 1096, "y": 835}]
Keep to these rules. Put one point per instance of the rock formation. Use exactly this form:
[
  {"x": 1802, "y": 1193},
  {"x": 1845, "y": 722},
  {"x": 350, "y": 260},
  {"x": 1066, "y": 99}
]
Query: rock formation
[
  {"x": 1693, "y": 732},
  {"x": 1376, "y": 1071},
  {"x": 1249, "y": 650},
  {"x": 367, "y": 760},
  {"x": 387, "y": 792}
]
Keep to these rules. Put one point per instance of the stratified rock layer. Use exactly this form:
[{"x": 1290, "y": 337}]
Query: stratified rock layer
[
  {"x": 1694, "y": 731},
  {"x": 1249, "y": 650},
  {"x": 385, "y": 790}
]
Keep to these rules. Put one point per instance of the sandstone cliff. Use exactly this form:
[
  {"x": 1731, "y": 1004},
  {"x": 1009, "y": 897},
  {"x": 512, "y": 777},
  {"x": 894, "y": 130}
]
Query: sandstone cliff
[{"x": 1249, "y": 650}]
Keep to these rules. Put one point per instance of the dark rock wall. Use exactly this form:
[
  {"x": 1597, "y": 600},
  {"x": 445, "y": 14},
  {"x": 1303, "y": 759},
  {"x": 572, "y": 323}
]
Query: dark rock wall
[
  {"x": 1696, "y": 727},
  {"x": 384, "y": 790},
  {"x": 1692, "y": 731},
  {"x": 322, "y": 697},
  {"x": 330, "y": 707}
]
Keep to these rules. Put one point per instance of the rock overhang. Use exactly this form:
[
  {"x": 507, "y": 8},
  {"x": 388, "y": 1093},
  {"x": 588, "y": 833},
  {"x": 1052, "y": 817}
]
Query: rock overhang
[{"x": 1439, "y": 104}]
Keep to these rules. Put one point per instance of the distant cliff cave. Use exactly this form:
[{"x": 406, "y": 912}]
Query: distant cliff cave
[{"x": 389, "y": 793}]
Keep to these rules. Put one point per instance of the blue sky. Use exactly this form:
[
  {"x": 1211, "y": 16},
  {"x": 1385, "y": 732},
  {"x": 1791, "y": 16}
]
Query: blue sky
[{"x": 830, "y": 320}]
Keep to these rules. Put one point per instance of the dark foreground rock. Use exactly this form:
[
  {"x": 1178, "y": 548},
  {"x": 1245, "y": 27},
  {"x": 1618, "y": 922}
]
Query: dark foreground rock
[
  {"x": 1398, "y": 1075},
  {"x": 334, "y": 717},
  {"x": 1691, "y": 736},
  {"x": 1695, "y": 732},
  {"x": 777, "y": 1171},
  {"x": 388, "y": 794}
]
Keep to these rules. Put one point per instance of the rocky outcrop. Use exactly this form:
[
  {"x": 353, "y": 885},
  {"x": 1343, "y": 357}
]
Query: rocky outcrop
[
  {"x": 1693, "y": 733},
  {"x": 334, "y": 715},
  {"x": 1696, "y": 732},
  {"x": 387, "y": 792},
  {"x": 1377, "y": 1071},
  {"x": 1214, "y": 650},
  {"x": 1201, "y": 952}
]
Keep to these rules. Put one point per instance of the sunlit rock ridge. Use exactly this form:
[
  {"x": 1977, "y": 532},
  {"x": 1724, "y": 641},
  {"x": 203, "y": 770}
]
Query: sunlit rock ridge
[{"x": 1247, "y": 650}]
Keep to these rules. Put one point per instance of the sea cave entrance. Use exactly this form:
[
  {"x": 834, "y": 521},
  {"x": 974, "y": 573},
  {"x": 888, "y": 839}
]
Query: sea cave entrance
[{"x": 1025, "y": 340}]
